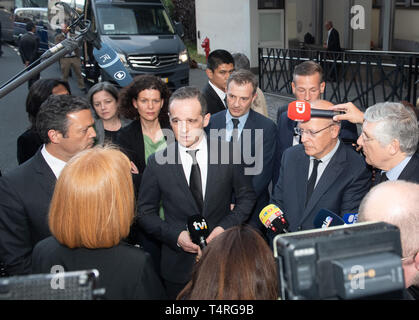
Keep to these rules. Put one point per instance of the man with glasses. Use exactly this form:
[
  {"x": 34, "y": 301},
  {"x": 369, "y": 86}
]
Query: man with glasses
[
  {"x": 396, "y": 202},
  {"x": 320, "y": 173},
  {"x": 307, "y": 85},
  {"x": 389, "y": 139}
]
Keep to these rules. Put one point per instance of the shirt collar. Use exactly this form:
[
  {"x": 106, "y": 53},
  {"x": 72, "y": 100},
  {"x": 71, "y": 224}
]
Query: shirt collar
[
  {"x": 394, "y": 173},
  {"x": 218, "y": 91},
  {"x": 242, "y": 119},
  {"x": 54, "y": 163},
  {"x": 200, "y": 146},
  {"x": 329, "y": 156}
]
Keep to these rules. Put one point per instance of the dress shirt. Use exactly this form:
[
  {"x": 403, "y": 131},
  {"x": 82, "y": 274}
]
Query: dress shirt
[
  {"x": 394, "y": 173},
  {"x": 322, "y": 165},
  {"x": 201, "y": 158},
  {"x": 54, "y": 163},
  {"x": 229, "y": 124}
]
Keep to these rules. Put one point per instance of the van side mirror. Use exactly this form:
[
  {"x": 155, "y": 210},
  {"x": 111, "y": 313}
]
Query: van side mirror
[{"x": 179, "y": 29}]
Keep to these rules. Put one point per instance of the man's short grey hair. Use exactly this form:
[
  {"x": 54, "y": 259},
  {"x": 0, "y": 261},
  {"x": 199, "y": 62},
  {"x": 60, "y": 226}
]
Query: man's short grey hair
[
  {"x": 241, "y": 61},
  {"x": 242, "y": 77},
  {"x": 394, "y": 121},
  {"x": 189, "y": 92}
]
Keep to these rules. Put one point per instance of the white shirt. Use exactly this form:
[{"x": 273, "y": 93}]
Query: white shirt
[
  {"x": 54, "y": 163},
  {"x": 219, "y": 92},
  {"x": 201, "y": 158},
  {"x": 322, "y": 165}
]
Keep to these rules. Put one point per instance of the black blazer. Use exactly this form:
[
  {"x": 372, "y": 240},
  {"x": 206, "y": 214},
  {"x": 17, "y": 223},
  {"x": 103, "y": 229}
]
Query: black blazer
[
  {"x": 343, "y": 184},
  {"x": 28, "y": 47},
  {"x": 125, "y": 271},
  {"x": 410, "y": 172},
  {"x": 28, "y": 144},
  {"x": 333, "y": 43},
  {"x": 262, "y": 147},
  {"x": 214, "y": 103},
  {"x": 26, "y": 193},
  {"x": 167, "y": 182}
]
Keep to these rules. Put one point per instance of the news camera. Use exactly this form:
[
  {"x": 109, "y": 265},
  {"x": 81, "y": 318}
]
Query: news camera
[{"x": 361, "y": 261}]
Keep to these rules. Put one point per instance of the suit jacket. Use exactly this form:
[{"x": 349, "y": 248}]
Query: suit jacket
[
  {"x": 340, "y": 189},
  {"x": 410, "y": 172},
  {"x": 125, "y": 271},
  {"x": 264, "y": 147},
  {"x": 167, "y": 182},
  {"x": 28, "y": 47},
  {"x": 26, "y": 193},
  {"x": 28, "y": 143},
  {"x": 348, "y": 134},
  {"x": 333, "y": 43},
  {"x": 214, "y": 103}
]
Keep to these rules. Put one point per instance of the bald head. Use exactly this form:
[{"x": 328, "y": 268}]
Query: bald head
[
  {"x": 322, "y": 104},
  {"x": 395, "y": 202}
]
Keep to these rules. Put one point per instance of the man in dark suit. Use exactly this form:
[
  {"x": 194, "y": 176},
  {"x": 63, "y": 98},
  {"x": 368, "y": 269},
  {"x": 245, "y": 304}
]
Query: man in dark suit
[
  {"x": 219, "y": 67},
  {"x": 193, "y": 176},
  {"x": 308, "y": 85},
  {"x": 256, "y": 135},
  {"x": 65, "y": 124},
  {"x": 333, "y": 41},
  {"x": 320, "y": 173},
  {"x": 389, "y": 141},
  {"x": 28, "y": 49}
]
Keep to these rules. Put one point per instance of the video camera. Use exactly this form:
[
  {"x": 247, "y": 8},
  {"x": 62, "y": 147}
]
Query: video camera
[{"x": 344, "y": 262}]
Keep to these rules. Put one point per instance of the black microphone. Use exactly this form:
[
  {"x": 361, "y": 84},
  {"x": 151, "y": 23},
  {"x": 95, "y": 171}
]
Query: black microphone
[
  {"x": 326, "y": 218},
  {"x": 198, "y": 230},
  {"x": 273, "y": 218}
]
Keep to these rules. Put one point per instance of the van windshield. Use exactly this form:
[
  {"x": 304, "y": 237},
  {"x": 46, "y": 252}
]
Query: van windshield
[{"x": 133, "y": 19}]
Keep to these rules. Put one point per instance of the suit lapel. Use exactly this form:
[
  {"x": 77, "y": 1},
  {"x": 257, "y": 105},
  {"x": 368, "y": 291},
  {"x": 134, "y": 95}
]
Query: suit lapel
[
  {"x": 411, "y": 168},
  {"x": 302, "y": 165},
  {"x": 47, "y": 178}
]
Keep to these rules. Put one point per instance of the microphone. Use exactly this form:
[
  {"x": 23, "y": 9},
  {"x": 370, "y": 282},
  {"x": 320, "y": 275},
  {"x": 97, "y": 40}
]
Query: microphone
[
  {"x": 109, "y": 61},
  {"x": 198, "y": 230},
  {"x": 301, "y": 111},
  {"x": 273, "y": 218},
  {"x": 326, "y": 218},
  {"x": 350, "y": 218}
]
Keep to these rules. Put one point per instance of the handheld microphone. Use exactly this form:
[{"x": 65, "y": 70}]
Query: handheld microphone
[
  {"x": 326, "y": 218},
  {"x": 273, "y": 218},
  {"x": 109, "y": 61},
  {"x": 301, "y": 111},
  {"x": 198, "y": 230},
  {"x": 350, "y": 218}
]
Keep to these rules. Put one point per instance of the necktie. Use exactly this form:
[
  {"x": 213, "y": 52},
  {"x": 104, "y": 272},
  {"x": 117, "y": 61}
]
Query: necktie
[
  {"x": 195, "y": 182},
  {"x": 235, "y": 133},
  {"x": 312, "y": 180},
  {"x": 383, "y": 177}
]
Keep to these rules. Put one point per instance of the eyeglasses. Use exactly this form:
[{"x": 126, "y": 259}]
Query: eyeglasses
[
  {"x": 299, "y": 132},
  {"x": 410, "y": 257}
]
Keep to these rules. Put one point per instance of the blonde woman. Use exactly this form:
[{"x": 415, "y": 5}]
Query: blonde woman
[{"x": 91, "y": 212}]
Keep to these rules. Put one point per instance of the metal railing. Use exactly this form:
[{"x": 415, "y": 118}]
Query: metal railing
[{"x": 363, "y": 78}]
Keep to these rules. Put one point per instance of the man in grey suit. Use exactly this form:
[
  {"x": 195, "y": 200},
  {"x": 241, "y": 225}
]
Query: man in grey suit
[
  {"x": 193, "y": 176},
  {"x": 321, "y": 173},
  {"x": 65, "y": 124}
]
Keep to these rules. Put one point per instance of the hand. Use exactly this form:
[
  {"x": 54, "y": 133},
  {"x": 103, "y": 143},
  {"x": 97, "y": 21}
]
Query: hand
[
  {"x": 185, "y": 242},
  {"x": 232, "y": 205},
  {"x": 134, "y": 168},
  {"x": 214, "y": 233},
  {"x": 352, "y": 113},
  {"x": 198, "y": 256}
]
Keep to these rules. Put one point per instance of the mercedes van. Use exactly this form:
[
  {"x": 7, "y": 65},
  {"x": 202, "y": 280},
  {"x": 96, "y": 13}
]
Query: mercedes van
[{"x": 143, "y": 35}]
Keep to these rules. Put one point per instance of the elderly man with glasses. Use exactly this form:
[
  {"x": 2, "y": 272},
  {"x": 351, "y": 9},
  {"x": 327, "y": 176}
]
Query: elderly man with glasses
[{"x": 320, "y": 173}]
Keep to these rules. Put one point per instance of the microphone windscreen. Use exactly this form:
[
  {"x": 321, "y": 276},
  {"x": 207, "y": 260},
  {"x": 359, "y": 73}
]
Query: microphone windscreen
[
  {"x": 268, "y": 214},
  {"x": 109, "y": 61},
  {"x": 299, "y": 111},
  {"x": 350, "y": 218},
  {"x": 197, "y": 227},
  {"x": 326, "y": 218}
]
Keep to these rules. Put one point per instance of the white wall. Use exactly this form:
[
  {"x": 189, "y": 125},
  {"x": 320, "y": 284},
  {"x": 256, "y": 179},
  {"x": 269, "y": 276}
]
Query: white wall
[{"x": 228, "y": 28}]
